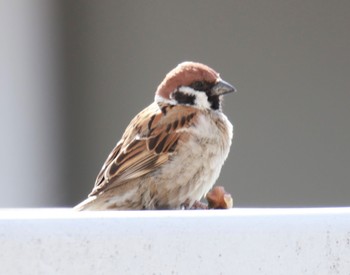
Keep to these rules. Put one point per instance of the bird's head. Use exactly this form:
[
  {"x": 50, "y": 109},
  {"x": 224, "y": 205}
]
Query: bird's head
[{"x": 193, "y": 84}]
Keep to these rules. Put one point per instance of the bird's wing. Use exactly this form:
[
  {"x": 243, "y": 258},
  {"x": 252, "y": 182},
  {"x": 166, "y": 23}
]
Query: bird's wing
[{"x": 148, "y": 142}]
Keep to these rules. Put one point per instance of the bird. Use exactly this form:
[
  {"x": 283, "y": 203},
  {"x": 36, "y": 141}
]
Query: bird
[{"x": 172, "y": 152}]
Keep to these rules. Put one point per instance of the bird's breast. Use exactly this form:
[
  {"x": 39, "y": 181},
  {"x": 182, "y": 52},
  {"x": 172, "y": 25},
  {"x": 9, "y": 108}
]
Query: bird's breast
[{"x": 195, "y": 167}]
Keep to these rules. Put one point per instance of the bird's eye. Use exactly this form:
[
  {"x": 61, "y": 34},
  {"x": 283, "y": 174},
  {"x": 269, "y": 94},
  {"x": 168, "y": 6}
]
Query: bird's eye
[{"x": 200, "y": 86}]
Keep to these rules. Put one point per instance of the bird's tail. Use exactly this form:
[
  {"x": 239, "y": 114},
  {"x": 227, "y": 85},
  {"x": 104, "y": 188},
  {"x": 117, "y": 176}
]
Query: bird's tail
[{"x": 86, "y": 205}]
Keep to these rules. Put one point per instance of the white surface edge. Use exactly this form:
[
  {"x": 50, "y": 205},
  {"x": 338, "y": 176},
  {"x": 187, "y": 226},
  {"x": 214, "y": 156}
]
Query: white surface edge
[
  {"x": 237, "y": 241},
  {"x": 66, "y": 213}
]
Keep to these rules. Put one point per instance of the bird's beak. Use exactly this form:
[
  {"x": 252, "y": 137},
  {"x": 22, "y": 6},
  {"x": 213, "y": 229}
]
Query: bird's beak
[{"x": 222, "y": 87}]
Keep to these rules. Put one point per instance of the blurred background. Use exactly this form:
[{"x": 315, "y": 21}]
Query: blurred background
[{"x": 74, "y": 73}]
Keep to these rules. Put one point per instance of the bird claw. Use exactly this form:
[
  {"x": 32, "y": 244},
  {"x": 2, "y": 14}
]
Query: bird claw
[{"x": 197, "y": 205}]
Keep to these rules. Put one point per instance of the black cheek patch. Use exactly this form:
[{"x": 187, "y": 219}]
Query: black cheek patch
[{"x": 183, "y": 98}]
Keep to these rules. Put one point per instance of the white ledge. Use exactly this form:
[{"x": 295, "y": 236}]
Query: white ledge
[{"x": 237, "y": 241}]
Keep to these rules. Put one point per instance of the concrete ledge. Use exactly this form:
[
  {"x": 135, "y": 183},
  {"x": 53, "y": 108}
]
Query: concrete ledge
[{"x": 237, "y": 241}]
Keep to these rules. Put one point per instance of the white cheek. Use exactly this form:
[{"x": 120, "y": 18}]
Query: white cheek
[
  {"x": 201, "y": 97},
  {"x": 202, "y": 100}
]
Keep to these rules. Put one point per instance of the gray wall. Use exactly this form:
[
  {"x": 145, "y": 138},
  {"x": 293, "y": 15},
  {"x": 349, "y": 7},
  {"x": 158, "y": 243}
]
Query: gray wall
[{"x": 289, "y": 60}]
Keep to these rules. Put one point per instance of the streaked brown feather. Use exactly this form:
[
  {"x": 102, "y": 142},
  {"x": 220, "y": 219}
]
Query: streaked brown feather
[{"x": 145, "y": 145}]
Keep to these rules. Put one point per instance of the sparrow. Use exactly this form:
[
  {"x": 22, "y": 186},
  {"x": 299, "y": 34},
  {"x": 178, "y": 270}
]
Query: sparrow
[{"x": 172, "y": 152}]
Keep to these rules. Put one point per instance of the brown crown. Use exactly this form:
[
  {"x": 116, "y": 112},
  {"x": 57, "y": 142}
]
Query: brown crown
[{"x": 185, "y": 74}]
